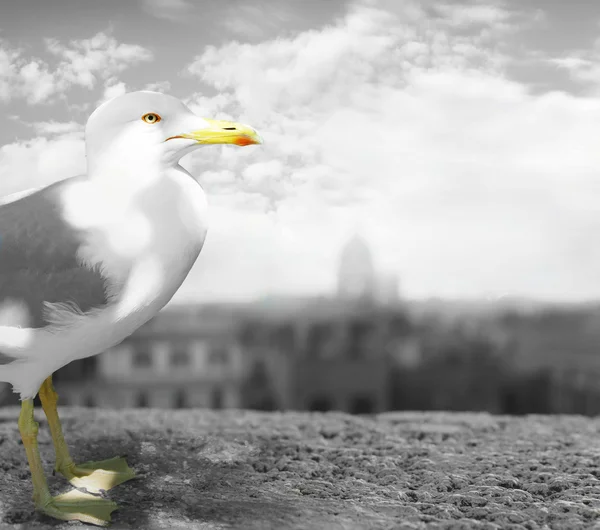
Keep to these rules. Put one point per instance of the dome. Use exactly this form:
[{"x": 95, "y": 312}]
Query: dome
[
  {"x": 356, "y": 249},
  {"x": 356, "y": 278}
]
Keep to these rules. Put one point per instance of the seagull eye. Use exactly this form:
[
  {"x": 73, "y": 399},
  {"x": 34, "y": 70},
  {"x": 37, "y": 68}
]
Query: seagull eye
[{"x": 151, "y": 118}]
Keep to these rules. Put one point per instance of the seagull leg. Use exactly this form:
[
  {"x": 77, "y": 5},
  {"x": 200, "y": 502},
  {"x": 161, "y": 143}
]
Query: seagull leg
[
  {"x": 71, "y": 506},
  {"x": 93, "y": 476}
]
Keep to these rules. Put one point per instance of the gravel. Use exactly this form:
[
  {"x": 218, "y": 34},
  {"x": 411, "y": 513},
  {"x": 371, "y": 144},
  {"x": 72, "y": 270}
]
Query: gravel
[{"x": 247, "y": 470}]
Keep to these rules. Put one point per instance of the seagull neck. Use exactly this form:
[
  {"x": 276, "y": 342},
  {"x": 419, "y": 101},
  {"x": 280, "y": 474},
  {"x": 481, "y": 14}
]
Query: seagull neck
[{"x": 125, "y": 168}]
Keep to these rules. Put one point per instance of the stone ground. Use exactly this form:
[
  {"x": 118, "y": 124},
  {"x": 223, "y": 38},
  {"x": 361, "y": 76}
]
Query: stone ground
[{"x": 245, "y": 470}]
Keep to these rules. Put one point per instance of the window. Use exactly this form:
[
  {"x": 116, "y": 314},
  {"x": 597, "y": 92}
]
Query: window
[
  {"x": 283, "y": 337},
  {"x": 358, "y": 332},
  {"x": 218, "y": 355},
  {"x": 180, "y": 401},
  {"x": 141, "y": 400},
  {"x": 399, "y": 325},
  {"x": 320, "y": 404},
  {"x": 142, "y": 358},
  {"x": 216, "y": 398},
  {"x": 180, "y": 355},
  {"x": 89, "y": 367},
  {"x": 362, "y": 405},
  {"x": 317, "y": 336},
  {"x": 249, "y": 334}
]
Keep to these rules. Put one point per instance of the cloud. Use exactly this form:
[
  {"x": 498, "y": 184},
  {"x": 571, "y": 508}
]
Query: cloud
[
  {"x": 582, "y": 67},
  {"x": 112, "y": 89},
  {"x": 474, "y": 14},
  {"x": 173, "y": 10},
  {"x": 406, "y": 126},
  {"x": 81, "y": 63},
  {"x": 56, "y": 128},
  {"x": 41, "y": 161},
  {"x": 102, "y": 56},
  {"x": 8, "y": 70},
  {"x": 572, "y": 63},
  {"x": 400, "y": 120},
  {"x": 160, "y": 86},
  {"x": 256, "y": 20}
]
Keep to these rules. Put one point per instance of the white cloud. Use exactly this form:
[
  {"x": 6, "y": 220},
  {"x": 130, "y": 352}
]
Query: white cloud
[
  {"x": 572, "y": 63},
  {"x": 79, "y": 63},
  {"x": 160, "y": 86},
  {"x": 253, "y": 20},
  {"x": 112, "y": 89},
  {"x": 101, "y": 56},
  {"x": 56, "y": 128},
  {"x": 59, "y": 152},
  {"x": 173, "y": 10},
  {"x": 8, "y": 70},
  {"x": 37, "y": 82},
  {"x": 391, "y": 121},
  {"x": 406, "y": 127},
  {"x": 41, "y": 161},
  {"x": 467, "y": 15},
  {"x": 583, "y": 66}
]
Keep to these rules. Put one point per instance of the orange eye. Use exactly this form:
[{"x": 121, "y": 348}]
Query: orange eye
[{"x": 151, "y": 117}]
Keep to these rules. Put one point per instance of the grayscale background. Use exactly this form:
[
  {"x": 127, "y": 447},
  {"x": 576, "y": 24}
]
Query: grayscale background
[{"x": 418, "y": 231}]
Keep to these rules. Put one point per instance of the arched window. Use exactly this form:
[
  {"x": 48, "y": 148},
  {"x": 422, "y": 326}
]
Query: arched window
[
  {"x": 315, "y": 344},
  {"x": 216, "y": 398},
  {"x": 142, "y": 358},
  {"x": 180, "y": 355},
  {"x": 320, "y": 404},
  {"x": 218, "y": 355},
  {"x": 180, "y": 400},
  {"x": 89, "y": 367},
  {"x": 358, "y": 331},
  {"x": 141, "y": 400},
  {"x": 362, "y": 405}
]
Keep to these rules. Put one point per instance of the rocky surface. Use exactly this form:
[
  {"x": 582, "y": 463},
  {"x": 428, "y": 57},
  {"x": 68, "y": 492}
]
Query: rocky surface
[{"x": 246, "y": 470}]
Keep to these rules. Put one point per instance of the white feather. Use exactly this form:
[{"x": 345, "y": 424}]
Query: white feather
[
  {"x": 140, "y": 282},
  {"x": 18, "y": 195},
  {"x": 143, "y": 220}
]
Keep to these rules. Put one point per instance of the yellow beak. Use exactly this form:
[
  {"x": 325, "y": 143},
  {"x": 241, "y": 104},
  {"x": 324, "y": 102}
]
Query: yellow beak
[{"x": 223, "y": 132}]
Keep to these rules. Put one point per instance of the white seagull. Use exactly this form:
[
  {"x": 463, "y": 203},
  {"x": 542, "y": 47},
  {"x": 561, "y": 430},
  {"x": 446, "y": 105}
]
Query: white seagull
[{"x": 85, "y": 261}]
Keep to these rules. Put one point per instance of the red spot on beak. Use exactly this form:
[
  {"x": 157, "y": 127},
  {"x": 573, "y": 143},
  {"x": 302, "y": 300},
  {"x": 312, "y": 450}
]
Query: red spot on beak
[{"x": 243, "y": 140}]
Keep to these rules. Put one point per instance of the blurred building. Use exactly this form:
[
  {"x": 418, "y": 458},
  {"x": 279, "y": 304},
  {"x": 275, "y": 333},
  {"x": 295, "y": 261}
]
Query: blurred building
[
  {"x": 356, "y": 274},
  {"x": 306, "y": 354},
  {"x": 452, "y": 366},
  {"x": 329, "y": 357},
  {"x": 559, "y": 350},
  {"x": 185, "y": 357},
  {"x": 358, "y": 279},
  {"x": 362, "y": 350}
]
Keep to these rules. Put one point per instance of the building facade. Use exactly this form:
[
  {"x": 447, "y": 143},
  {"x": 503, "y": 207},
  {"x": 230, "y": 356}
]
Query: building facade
[
  {"x": 329, "y": 353},
  {"x": 358, "y": 278},
  {"x": 331, "y": 357},
  {"x": 182, "y": 358}
]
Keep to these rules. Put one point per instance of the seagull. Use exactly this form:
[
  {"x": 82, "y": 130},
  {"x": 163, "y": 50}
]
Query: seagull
[{"x": 86, "y": 261}]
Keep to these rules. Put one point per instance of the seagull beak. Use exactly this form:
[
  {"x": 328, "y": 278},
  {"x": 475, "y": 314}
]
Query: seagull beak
[{"x": 223, "y": 132}]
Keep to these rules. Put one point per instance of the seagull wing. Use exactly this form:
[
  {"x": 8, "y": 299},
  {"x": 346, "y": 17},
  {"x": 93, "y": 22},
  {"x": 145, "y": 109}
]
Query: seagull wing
[{"x": 39, "y": 263}]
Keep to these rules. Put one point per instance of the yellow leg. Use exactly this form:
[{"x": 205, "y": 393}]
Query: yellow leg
[
  {"x": 71, "y": 506},
  {"x": 93, "y": 476}
]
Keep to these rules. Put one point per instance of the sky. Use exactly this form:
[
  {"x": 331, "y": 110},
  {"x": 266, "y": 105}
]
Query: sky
[{"x": 461, "y": 140}]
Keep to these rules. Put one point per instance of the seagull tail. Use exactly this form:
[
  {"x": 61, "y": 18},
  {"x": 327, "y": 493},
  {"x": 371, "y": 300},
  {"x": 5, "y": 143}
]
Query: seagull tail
[
  {"x": 15, "y": 354},
  {"x": 14, "y": 342}
]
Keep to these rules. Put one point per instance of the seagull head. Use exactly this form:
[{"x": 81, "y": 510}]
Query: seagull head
[{"x": 149, "y": 129}]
